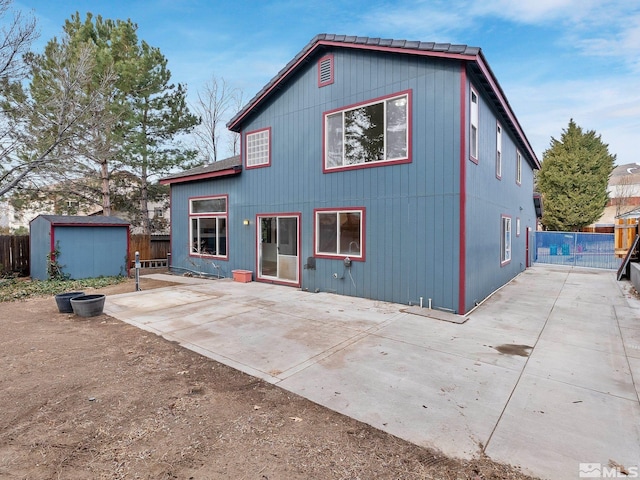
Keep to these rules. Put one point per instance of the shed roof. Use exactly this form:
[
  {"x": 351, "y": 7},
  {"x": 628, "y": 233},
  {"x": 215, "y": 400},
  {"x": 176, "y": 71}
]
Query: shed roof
[
  {"x": 473, "y": 55},
  {"x": 78, "y": 220},
  {"x": 221, "y": 168}
]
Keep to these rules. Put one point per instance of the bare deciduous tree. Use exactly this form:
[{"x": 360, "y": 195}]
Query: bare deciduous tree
[
  {"x": 216, "y": 102},
  {"x": 16, "y": 37},
  {"x": 47, "y": 124}
]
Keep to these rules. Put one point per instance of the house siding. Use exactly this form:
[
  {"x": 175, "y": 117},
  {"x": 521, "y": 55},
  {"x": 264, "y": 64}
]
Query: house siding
[
  {"x": 415, "y": 230},
  {"x": 490, "y": 198},
  {"x": 412, "y": 210}
]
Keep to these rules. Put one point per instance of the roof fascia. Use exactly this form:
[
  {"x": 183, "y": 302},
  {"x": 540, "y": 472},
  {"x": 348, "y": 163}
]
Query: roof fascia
[
  {"x": 328, "y": 43},
  {"x": 488, "y": 74},
  {"x": 478, "y": 58},
  {"x": 201, "y": 176}
]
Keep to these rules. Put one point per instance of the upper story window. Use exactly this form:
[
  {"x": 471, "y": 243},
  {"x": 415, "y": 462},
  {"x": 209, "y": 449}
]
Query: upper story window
[
  {"x": 498, "y": 151},
  {"x": 208, "y": 226},
  {"x": 258, "y": 148},
  {"x": 339, "y": 233},
  {"x": 518, "y": 167},
  {"x": 368, "y": 134},
  {"x": 325, "y": 71},
  {"x": 473, "y": 127}
]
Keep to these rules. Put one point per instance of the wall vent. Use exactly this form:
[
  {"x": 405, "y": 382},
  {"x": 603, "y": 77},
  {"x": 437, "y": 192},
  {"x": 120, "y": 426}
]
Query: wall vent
[{"x": 325, "y": 71}]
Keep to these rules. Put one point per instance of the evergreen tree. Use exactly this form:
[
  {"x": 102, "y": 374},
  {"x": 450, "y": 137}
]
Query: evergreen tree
[
  {"x": 152, "y": 112},
  {"x": 573, "y": 179}
]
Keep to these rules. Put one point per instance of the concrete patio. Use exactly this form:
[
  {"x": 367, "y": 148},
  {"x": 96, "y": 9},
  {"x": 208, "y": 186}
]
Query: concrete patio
[{"x": 541, "y": 375}]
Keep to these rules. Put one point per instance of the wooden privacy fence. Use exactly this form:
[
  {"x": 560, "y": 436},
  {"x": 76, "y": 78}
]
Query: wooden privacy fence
[
  {"x": 151, "y": 247},
  {"x": 14, "y": 254}
]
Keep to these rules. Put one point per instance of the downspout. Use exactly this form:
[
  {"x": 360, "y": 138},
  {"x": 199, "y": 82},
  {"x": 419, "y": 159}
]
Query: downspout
[{"x": 463, "y": 191}]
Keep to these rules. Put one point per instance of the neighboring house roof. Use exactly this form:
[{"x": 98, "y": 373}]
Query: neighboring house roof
[
  {"x": 628, "y": 174},
  {"x": 221, "y": 168},
  {"x": 635, "y": 213},
  {"x": 473, "y": 55},
  {"x": 77, "y": 220}
]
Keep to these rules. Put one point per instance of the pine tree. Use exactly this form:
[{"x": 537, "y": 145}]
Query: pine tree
[{"x": 573, "y": 179}]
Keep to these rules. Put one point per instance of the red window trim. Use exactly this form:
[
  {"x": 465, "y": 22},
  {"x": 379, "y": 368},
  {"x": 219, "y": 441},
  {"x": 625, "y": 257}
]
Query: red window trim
[
  {"x": 331, "y": 80},
  {"x": 382, "y": 163},
  {"x": 259, "y": 278},
  {"x": 363, "y": 231},
  {"x": 200, "y": 215},
  {"x": 246, "y": 150},
  {"x": 501, "y": 130},
  {"x": 475, "y": 160},
  {"x": 505, "y": 262}
]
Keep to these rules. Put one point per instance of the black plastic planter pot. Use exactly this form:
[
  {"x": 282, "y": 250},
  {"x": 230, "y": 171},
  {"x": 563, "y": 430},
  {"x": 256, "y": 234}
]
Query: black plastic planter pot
[
  {"x": 63, "y": 300},
  {"x": 88, "y": 305}
]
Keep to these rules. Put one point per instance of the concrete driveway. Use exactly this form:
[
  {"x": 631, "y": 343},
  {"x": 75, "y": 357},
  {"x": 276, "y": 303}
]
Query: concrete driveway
[{"x": 541, "y": 375}]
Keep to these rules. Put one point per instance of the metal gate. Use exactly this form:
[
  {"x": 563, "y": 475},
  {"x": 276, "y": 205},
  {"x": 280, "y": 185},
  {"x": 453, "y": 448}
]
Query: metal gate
[{"x": 577, "y": 249}]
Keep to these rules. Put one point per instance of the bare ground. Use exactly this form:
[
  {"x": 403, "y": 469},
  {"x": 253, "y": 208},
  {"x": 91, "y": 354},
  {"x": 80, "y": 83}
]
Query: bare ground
[{"x": 97, "y": 398}]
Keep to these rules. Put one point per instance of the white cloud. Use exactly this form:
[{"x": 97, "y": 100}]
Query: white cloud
[
  {"x": 605, "y": 106},
  {"x": 418, "y": 21},
  {"x": 538, "y": 11}
]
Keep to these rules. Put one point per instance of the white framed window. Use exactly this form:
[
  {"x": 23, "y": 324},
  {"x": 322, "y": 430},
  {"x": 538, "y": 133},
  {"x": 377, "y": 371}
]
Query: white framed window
[
  {"x": 208, "y": 226},
  {"x": 473, "y": 127},
  {"x": 258, "y": 148},
  {"x": 518, "y": 167},
  {"x": 517, "y": 226},
  {"x": 339, "y": 233},
  {"x": 368, "y": 134},
  {"x": 498, "y": 150},
  {"x": 505, "y": 240},
  {"x": 325, "y": 71}
]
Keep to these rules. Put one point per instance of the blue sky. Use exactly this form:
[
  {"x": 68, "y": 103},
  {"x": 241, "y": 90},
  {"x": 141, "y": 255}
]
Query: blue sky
[{"x": 555, "y": 59}]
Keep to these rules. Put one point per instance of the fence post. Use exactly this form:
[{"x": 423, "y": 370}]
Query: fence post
[{"x": 575, "y": 249}]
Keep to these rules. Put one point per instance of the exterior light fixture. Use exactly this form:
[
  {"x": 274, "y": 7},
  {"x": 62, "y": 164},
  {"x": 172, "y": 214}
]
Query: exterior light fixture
[{"x": 245, "y": 221}]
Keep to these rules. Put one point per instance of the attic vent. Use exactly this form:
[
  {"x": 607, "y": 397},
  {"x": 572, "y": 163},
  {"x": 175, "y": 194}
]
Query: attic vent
[{"x": 325, "y": 71}]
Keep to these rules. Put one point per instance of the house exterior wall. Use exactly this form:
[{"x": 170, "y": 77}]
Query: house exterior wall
[
  {"x": 419, "y": 216},
  {"x": 411, "y": 209},
  {"x": 40, "y": 246},
  {"x": 488, "y": 199}
]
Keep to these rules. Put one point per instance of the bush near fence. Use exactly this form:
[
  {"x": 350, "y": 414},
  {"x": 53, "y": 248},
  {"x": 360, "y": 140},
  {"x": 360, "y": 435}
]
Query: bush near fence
[{"x": 14, "y": 255}]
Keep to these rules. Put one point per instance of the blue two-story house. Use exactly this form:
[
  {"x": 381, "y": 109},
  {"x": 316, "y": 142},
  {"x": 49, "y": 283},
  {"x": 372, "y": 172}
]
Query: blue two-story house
[{"x": 384, "y": 169}]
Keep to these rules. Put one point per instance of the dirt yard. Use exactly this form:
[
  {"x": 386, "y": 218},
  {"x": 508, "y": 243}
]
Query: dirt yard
[{"x": 98, "y": 399}]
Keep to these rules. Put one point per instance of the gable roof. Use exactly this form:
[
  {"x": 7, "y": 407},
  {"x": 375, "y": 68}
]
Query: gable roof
[
  {"x": 472, "y": 55},
  {"x": 221, "y": 168},
  {"x": 80, "y": 220}
]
